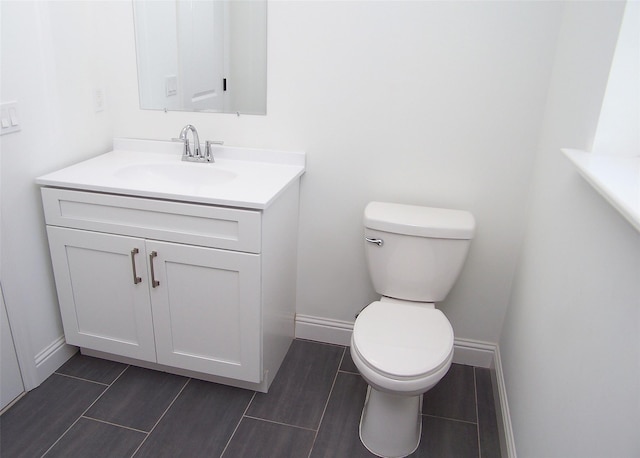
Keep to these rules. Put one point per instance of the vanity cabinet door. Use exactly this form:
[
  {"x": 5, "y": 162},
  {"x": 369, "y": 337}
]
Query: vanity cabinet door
[
  {"x": 206, "y": 309},
  {"x": 104, "y": 306}
]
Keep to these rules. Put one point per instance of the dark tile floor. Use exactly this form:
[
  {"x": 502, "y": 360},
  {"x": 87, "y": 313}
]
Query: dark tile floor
[{"x": 96, "y": 408}]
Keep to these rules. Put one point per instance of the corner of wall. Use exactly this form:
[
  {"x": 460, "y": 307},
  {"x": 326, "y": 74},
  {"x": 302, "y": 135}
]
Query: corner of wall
[{"x": 52, "y": 357}]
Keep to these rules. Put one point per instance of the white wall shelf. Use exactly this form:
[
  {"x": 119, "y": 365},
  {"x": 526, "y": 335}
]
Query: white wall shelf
[{"x": 616, "y": 178}]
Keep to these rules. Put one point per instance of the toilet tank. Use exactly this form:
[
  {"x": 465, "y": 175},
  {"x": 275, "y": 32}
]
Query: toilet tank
[{"x": 415, "y": 253}]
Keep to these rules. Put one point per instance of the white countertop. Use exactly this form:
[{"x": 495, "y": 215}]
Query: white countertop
[{"x": 240, "y": 177}]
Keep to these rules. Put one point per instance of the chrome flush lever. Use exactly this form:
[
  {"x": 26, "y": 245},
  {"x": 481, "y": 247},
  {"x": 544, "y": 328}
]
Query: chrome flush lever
[{"x": 378, "y": 242}]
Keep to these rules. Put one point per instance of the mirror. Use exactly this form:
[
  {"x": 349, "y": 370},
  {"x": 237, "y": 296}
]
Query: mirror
[{"x": 202, "y": 55}]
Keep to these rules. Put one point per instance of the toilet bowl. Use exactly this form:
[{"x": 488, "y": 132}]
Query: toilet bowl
[
  {"x": 402, "y": 344},
  {"x": 401, "y": 350}
]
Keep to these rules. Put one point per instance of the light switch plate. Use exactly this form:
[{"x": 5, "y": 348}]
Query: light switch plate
[
  {"x": 9, "y": 118},
  {"x": 171, "y": 85}
]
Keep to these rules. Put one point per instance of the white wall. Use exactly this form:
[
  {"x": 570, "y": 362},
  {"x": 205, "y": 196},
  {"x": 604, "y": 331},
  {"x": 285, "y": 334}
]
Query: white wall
[
  {"x": 571, "y": 339},
  {"x": 434, "y": 103},
  {"x": 49, "y": 67}
]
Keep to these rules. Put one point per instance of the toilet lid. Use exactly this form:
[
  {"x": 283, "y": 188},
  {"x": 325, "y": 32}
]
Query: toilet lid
[{"x": 403, "y": 340}]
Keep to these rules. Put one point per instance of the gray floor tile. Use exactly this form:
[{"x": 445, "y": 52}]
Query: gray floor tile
[
  {"x": 347, "y": 363},
  {"x": 454, "y": 396},
  {"x": 199, "y": 423},
  {"x": 95, "y": 369},
  {"x": 138, "y": 398},
  {"x": 95, "y": 439},
  {"x": 339, "y": 433},
  {"x": 37, "y": 420},
  {"x": 204, "y": 415},
  {"x": 264, "y": 439},
  {"x": 487, "y": 418},
  {"x": 300, "y": 391},
  {"x": 447, "y": 439}
]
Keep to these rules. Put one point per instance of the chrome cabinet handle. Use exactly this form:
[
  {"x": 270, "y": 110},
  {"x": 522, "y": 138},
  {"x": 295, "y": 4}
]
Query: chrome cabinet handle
[
  {"x": 154, "y": 282},
  {"x": 378, "y": 242},
  {"x": 136, "y": 279}
]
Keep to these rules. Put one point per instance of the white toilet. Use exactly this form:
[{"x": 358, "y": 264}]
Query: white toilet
[{"x": 402, "y": 345}]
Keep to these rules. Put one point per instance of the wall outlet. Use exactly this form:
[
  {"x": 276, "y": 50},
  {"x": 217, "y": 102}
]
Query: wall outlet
[
  {"x": 99, "y": 99},
  {"x": 9, "y": 119}
]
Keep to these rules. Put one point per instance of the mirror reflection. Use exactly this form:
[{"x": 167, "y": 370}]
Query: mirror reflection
[{"x": 202, "y": 55}]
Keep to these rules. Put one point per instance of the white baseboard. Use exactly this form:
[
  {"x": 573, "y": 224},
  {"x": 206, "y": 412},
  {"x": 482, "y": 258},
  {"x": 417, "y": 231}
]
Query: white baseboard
[
  {"x": 52, "y": 357},
  {"x": 473, "y": 352},
  {"x": 507, "y": 440},
  {"x": 469, "y": 352},
  {"x": 466, "y": 351},
  {"x": 323, "y": 330}
]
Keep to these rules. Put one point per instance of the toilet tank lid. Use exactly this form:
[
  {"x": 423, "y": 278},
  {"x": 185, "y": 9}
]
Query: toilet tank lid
[{"x": 419, "y": 221}]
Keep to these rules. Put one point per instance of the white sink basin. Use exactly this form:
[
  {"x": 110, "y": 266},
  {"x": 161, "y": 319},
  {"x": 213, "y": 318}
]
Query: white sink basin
[
  {"x": 177, "y": 173},
  {"x": 240, "y": 177}
]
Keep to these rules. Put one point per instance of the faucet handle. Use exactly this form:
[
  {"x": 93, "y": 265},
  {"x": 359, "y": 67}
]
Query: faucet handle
[
  {"x": 185, "y": 141},
  {"x": 208, "y": 156}
]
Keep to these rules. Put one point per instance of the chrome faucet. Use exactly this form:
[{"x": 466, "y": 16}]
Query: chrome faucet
[
  {"x": 195, "y": 156},
  {"x": 187, "y": 155}
]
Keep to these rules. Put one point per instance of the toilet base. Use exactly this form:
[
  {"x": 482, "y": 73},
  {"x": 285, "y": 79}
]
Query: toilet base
[{"x": 391, "y": 424}]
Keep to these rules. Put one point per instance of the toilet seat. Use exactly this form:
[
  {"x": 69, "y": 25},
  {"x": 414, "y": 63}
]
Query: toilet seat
[{"x": 402, "y": 342}]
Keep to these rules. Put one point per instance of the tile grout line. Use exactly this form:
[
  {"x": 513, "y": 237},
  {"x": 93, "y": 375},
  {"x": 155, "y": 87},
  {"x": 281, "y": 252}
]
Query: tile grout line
[
  {"x": 85, "y": 411},
  {"x": 161, "y": 417},
  {"x": 326, "y": 404},
  {"x": 279, "y": 423},
  {"x": 238, "y": 425},
  {"x": 348, "y": 372},
  {"x": 81, "y": 379},
  {"x": 450, "y": 419},
  {"x": 475, "y": 391},
  {"x": 113, "y": 424}
]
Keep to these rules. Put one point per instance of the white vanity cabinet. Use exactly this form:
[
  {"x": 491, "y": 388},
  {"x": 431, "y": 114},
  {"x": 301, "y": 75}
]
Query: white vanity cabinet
[
  {"x": 199, "y": 290},
  {"x": 206, "y": 309},
  {"x": 101, "y": 307}
]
